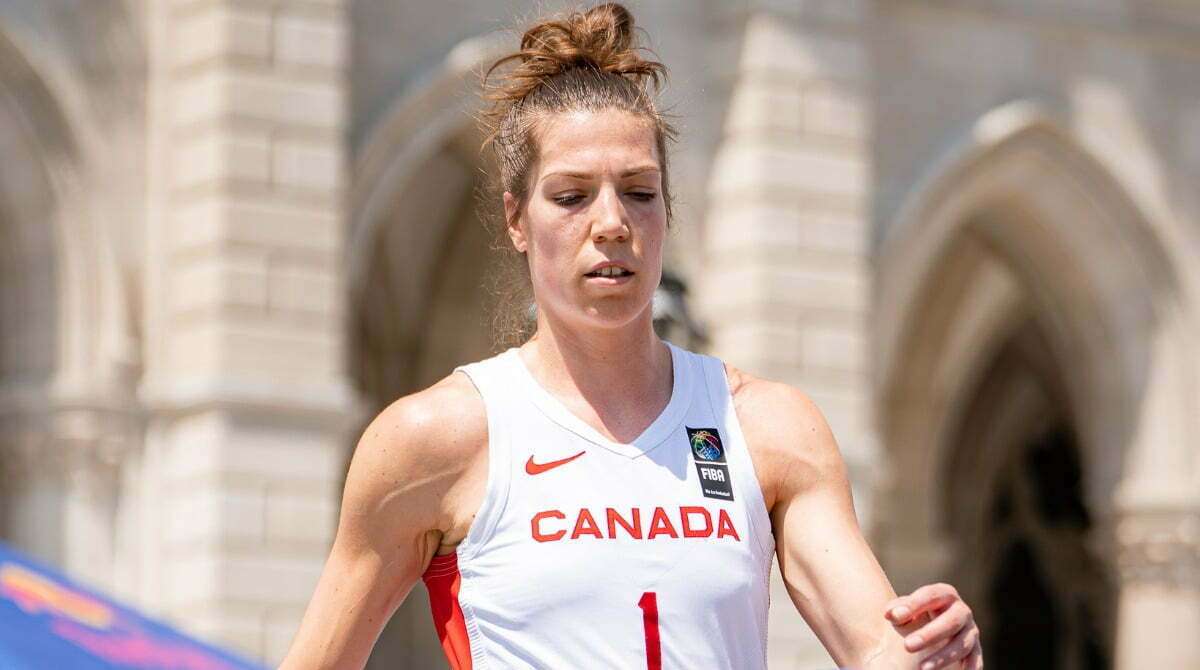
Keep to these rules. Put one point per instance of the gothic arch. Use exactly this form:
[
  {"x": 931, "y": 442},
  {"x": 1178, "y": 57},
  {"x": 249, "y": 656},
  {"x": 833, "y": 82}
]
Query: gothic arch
[
  {"x": 44, "y": 107},
  {"x": 1081, "y": 260},
  {"x": 66, "y": 411},
  {"x": 415, "y": 257},
  {"x": 416, "y": 127},
  {"x": 413, "y": 190}
]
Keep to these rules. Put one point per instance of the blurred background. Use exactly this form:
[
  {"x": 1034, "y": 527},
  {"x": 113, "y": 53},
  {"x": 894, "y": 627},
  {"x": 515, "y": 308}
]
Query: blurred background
[{"x": 233, "y": 230}]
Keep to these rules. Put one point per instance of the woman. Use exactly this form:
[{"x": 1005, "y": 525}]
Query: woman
[{"x": 598, "y": 497}]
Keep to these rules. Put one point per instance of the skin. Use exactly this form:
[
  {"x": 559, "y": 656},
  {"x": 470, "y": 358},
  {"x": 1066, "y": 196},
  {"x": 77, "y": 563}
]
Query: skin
[{"x": 420, "y": 468}]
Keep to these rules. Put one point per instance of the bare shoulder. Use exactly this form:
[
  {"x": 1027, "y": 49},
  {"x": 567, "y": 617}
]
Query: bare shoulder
[
  {"x": 435, "y": 428},
  {"x": 422, "y": 453},
  {"x": 437, "y": 424},
  {"x": 788, "y": 437},
  {"x": 404, "y": 498}
]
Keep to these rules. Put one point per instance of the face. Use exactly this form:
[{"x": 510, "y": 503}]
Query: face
[{"x": 595, "y": 200}]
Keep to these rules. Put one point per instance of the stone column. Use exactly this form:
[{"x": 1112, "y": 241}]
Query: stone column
[
  {"x": 1158, "y": 554},
  {"x": 1157, "y": 512},
  {"x": 787, "y": 233},
  {"x": 32, "y": 489},
  {"x": 245, "y": 385},
  {"x": 60, "y": 486},
  {"x": 89, "y": 447}
]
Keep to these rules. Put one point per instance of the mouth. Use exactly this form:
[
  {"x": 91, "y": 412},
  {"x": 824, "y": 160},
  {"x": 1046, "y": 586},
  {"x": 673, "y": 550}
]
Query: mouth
[{"x": 611, "y": 271}]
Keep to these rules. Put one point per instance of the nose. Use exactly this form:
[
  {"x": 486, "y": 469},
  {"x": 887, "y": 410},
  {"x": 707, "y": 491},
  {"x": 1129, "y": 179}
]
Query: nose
[{"x": 609, "y": 222}]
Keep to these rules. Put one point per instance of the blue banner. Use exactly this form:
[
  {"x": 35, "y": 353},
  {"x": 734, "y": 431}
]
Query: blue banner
[{"x": 49, "y": 621}]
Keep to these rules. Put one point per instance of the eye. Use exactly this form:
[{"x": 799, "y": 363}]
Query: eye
[
  {"x": 644, "y": 196},
  {"x": 568, "y": 200}
]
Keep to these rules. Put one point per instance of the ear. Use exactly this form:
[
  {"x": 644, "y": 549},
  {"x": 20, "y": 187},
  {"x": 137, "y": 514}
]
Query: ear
[{"x": 513, "y": 222}]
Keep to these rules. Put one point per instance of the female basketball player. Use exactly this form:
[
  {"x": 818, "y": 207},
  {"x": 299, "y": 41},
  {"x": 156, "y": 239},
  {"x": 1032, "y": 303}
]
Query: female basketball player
[{"x": 597, "y": 497}]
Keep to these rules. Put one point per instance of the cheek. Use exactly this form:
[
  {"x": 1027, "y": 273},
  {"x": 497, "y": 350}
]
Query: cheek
[
  {"x": 553, "y": 252},
  {"x": 653, "y": 239},
  {"x": 549, "y": 249}
]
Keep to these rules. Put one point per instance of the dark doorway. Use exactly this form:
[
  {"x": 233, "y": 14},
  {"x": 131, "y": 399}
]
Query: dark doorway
[
  {"x": 1019, "y": 514},
  {"x": 1044, "y": 586}
]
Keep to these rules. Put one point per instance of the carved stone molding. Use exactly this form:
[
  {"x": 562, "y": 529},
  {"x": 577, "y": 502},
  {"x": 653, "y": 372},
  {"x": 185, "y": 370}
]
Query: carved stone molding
[
  {"x": 1160, "y": 549},
  {"x": 78, "y": 444}
]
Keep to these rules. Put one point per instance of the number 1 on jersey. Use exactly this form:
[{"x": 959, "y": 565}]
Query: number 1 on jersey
[{"x": 649, "y": 605}]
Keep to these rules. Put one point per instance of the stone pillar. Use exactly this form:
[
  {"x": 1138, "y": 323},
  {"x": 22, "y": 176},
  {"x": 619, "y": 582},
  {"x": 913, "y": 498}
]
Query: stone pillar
[
  {"x": 1157, "y": 510},
  {"x": 245, "y": 386},
  {"x": 1158, "y": 555},
  {"x": 787, "y": 235},
  {"x": 90, "y": 447},
  {"x": 60, "y": 483},
  {"x": 32, "y": 490}
]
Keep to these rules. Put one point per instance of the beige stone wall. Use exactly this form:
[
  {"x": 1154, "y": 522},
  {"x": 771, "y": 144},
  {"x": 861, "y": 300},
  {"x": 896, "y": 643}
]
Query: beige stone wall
[
  {"x": 784, "y": 292},
  {"x": 244, "y": 381}
]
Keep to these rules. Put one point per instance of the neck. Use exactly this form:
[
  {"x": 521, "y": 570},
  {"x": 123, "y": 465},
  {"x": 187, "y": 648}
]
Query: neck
[{"x": 590, "y": 365}]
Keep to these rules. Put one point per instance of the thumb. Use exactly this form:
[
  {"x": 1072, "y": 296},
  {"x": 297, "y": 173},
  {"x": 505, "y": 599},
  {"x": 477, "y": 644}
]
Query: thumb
[{"x": 906, "y": 624}]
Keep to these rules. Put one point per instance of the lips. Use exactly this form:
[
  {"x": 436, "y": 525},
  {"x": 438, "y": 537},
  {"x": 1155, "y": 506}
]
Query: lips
[{"x": 609, "y": 269}]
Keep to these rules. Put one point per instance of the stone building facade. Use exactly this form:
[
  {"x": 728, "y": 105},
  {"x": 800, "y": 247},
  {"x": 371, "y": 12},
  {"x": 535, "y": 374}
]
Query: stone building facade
[{"x": 232, "y": 230}]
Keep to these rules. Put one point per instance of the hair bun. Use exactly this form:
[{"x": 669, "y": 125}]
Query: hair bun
[{"x": 601, "y": 37}]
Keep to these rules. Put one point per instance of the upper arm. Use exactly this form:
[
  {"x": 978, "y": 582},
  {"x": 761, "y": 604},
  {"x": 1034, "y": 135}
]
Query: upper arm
[
  {"x": 401, "y": 493},
  {"x": 830, "y": 572}
]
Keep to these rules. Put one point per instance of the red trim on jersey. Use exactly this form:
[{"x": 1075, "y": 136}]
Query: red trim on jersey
[{"x": 443, "y": 580}]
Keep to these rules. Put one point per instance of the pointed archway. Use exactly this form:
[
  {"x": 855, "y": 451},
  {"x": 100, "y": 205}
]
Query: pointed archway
[
  {"x": 1020, "y": 252},
  {"x": 418, "y": 261},
  {"x": 65, "y": 396},
  {"x": 1025, "y": 542}
]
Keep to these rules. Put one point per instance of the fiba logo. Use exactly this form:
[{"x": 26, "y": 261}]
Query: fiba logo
[{"x": 706, "y": 444}]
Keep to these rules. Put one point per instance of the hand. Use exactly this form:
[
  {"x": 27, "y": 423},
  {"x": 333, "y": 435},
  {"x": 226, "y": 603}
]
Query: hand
[{"x": 949, "y": 633}]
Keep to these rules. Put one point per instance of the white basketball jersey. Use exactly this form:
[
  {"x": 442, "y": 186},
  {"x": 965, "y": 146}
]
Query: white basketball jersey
[{"x": 590, "y": 553}]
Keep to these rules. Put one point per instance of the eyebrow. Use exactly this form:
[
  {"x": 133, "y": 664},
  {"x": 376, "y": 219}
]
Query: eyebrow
[{"x": 585, "y": 175}]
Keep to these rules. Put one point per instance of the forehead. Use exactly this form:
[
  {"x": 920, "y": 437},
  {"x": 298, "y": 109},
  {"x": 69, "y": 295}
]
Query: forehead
[{"x": 595, "y": 141}]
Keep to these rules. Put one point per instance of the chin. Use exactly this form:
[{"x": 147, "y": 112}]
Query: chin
[
  {"x": 587, "y": 310},
  {"x": 612, "y": 313}
]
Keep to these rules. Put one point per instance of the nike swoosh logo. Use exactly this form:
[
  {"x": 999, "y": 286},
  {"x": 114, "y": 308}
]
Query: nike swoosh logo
[{"x": 538, "y": 468}]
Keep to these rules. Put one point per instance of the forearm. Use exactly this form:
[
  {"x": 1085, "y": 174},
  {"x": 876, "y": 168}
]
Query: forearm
[
  {"x": 840, "y": 588},
  {"x": 842, "y": 599}
]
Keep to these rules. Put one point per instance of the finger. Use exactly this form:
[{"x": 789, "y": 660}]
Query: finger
[
  {"x": 928, "y": 598},
  {"x": 931, "y": 597},
  {"x": 912, "y": 625},
  {"x": 975, "y": 660},
  {"x": 956, "y": 618},
  {"x": 961, "y": 646}
]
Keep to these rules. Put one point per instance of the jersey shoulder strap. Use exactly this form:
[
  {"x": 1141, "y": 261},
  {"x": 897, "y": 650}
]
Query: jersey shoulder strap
[
  {"x": 720, "y": 399},
  {"x": 492, "y": 378}
]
